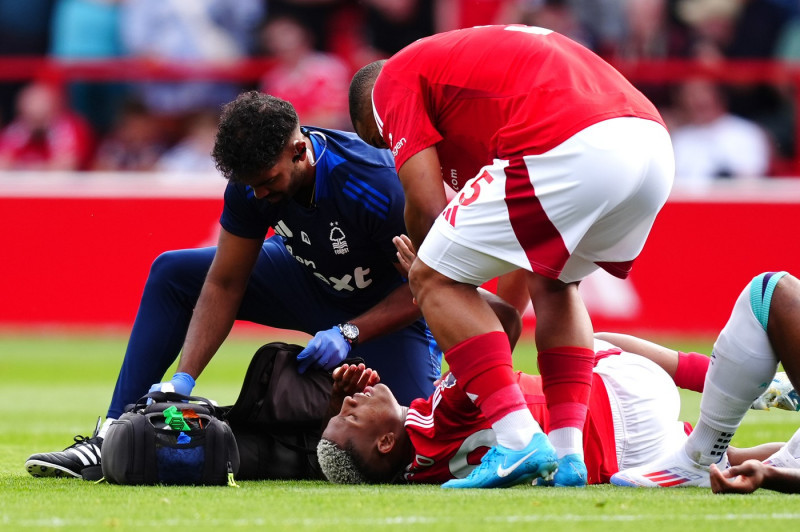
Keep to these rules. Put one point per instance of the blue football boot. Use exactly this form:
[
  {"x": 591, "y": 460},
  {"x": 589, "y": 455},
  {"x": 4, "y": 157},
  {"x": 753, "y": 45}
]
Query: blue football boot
[{"x": 502, "y": 467}]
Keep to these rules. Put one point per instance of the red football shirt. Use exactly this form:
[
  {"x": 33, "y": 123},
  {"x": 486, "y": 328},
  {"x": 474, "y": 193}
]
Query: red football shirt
[
  {"x": 496, "y": 92},
  {"x": 449, "y": 433}
]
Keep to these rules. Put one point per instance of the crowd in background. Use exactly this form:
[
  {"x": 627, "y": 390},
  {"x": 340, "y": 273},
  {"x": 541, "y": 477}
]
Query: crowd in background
[{"x": 734, "y": 131}]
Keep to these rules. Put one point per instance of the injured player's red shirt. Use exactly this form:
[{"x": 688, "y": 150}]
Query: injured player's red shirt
[{"x": 450, "y": 435}]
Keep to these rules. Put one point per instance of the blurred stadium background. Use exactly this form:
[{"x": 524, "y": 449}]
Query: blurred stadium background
[{"x": 108, "y": 110}]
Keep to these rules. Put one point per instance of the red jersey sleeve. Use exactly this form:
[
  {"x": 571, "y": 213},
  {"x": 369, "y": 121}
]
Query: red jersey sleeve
[
  {"x": 403, "y": 118},
  {"x": 495, "y": 92}
]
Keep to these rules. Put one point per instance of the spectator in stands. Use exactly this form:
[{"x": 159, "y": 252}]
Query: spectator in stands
[
  {"x": 757, "y": 28},
  {"x": 744, "y": 29},
  {"x": 321, "y": 17},
  {"x": 24, "y": 31},
  {"x": 556, "y": 15},
  {"x": 457, "y": 14},
  {"x": 213, "y": 31},
  {"x": 604, "y": 20},
  {"x": 652, "y": 32},
  {"x": 89, "y": 29},
  {"x": 712, "y": 143},
  {"x": 134, "y": 144},
  {"x": 315, "y": 82},
  {"x": 44, "y": 134},
  {"x": 369, "y": 30},
  {"x": 734, "y": 29},
  {"x": 787, "y": 49},
  {"x": 192, "y": 154},
  {"x": 393, "y": 24}
]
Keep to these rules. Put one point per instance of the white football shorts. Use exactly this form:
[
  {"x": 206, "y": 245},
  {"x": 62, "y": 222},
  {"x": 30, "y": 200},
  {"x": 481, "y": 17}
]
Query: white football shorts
[
  {"x": 589, "y": 202},
  {"x": 645, "y": 406}
]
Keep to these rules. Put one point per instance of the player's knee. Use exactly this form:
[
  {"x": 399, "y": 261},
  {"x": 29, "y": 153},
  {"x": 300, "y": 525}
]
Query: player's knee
[
  {"x": 419, "y": 278},
  {"x": 762, "y": 289},
  {"x": 781, "y": 322},
  {"x": 786, "y": 293},
  {"x": 424, "y": 281},
  {"x": 169, "y": 265}
]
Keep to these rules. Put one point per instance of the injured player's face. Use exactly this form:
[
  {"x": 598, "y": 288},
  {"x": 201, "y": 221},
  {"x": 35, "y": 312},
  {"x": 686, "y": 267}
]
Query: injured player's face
[{"x": 365, "y": 418}]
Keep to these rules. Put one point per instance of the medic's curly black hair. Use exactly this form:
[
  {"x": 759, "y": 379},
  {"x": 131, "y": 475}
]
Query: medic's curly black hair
[{"x": 253, "y": 132}]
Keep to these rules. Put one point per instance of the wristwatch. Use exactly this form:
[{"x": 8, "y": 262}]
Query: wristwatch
[{"x": 349, "y": 333}]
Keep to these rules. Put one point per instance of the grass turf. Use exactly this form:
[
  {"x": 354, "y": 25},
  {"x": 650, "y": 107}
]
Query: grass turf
[{"x": 53, "y": 387}]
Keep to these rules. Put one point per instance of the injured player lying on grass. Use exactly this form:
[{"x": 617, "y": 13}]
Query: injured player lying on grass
[
  {"x": 762, "y": 332},
  {"x": 374, "y": 439}
]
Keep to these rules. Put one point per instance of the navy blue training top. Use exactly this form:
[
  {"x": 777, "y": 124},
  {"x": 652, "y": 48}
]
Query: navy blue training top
[{"x": 345, "y": 239}]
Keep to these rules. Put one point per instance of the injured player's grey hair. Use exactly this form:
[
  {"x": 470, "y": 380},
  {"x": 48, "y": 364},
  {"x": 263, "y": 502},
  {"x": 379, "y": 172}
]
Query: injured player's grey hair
[{"x": 338, "y": 465}]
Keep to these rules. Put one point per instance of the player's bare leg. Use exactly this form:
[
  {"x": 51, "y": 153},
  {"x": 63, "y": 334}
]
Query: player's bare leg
[
  {"x": 783, "y": 327},
  {"x": 479, "y": 355},
  {"x": 567, "y": 324},
  {"x": 744, "y": 361},
  {"x": 566, "y": 359},
  {"x": 512, "y": 287}
]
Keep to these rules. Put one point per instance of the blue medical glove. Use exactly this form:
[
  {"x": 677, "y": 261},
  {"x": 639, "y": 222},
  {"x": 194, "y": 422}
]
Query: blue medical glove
[
  {"x": 181, "y": 383},
  {"x": 326, "y": 350}
]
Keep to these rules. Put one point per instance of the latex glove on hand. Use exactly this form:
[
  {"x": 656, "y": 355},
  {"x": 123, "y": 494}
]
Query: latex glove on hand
[
  {"x": 181, "y": 383},
  {"x": 326, "y": 350}
]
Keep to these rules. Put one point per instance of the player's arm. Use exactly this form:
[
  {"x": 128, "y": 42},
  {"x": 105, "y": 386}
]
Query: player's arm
[
  {"x": 392, "y": 313},
  {"x": 508, "y": 315},
  {"x": 219, "y": 300},
  {"x": 663, "y": 356},
  {"x": 421, "y": 176},
  {"x": 781, "y": 479},
  {"x": 398, "y": 308},
  {"x": 751, "y": 475},
  {"x": 688, "y": 370},
  {"x": 328, "y": 348},
  {"x": 739, "y": 455}
]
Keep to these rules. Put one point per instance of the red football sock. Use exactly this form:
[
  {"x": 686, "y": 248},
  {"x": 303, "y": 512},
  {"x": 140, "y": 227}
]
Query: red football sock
[
  {"x": 482, "y": 365},
  {"x": 567, "y": 383},
  {"x": 691, "y": 371}
]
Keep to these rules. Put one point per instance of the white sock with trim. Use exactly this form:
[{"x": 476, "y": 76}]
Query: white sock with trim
[
  {"x": 104, "y": 427},
  {"x": 567, "y": 440},
  {"x": 740, "y": 371},
  {"x": 515, "y": 429}
]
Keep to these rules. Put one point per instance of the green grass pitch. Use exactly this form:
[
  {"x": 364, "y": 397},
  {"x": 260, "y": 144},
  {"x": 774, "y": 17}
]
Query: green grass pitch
[{"x": 55, "y": 386}]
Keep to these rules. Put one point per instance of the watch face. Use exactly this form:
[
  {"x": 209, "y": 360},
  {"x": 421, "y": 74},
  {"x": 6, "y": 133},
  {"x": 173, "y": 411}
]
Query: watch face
[{"x": 349, "y": 331}]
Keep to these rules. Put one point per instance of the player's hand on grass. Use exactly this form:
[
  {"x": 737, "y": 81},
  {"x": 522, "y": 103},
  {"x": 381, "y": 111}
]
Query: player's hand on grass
[
  {"x": 326, "y": 350},
  {"x": 743, "y": 478},
  {"x": 181, "y": 383}
]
